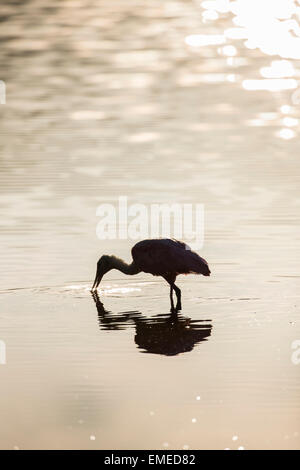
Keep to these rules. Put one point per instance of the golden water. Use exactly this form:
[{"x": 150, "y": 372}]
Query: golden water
[{"x": 173, "y": 101}]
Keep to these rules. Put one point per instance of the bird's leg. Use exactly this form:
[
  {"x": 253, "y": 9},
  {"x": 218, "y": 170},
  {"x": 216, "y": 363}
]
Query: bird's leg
[
  {"x": 178, "y": 295},
  {"x": 170, "y": 280},
  {"x": 171, "y": 298}
]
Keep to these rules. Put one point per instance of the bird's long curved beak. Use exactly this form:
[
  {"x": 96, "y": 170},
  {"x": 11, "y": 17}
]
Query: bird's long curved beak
[{"x": 97, "y": 280}]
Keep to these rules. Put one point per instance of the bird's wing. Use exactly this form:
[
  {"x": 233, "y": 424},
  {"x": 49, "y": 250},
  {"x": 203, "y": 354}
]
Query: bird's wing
[
  {"x": 151, "y": 256},
  {"x": 163, "y": 256}
]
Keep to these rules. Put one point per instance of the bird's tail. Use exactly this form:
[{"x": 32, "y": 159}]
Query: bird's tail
[{"x": 199, "y": 265}]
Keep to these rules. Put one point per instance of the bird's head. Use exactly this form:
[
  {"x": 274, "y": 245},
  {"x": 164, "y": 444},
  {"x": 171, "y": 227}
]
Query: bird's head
[{"x": 103, "y": 266}]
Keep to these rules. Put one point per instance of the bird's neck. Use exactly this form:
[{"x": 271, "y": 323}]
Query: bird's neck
[{"x": 120, "y": 265}]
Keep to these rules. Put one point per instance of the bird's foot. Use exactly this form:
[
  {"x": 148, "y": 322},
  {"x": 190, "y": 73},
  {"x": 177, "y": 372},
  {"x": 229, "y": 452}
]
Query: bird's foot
[{"x": 175, "y": 309}]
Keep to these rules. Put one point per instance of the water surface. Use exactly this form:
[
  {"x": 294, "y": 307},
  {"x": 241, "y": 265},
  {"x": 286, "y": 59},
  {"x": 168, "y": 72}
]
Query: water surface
[{"x": 172, "y": 102}]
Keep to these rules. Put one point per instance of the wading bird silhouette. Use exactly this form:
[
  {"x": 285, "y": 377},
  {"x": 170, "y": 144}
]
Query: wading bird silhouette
[{"x": 161, "y": 257}]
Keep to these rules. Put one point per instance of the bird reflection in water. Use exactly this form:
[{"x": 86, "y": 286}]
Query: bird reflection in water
[{"x": 168, "y": 334}]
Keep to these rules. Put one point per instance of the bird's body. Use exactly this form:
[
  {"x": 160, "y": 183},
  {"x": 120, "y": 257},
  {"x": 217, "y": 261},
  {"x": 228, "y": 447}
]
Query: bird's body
[
  {"x": 165, "y": 256},
  {"x": 159, "y": 257}
]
